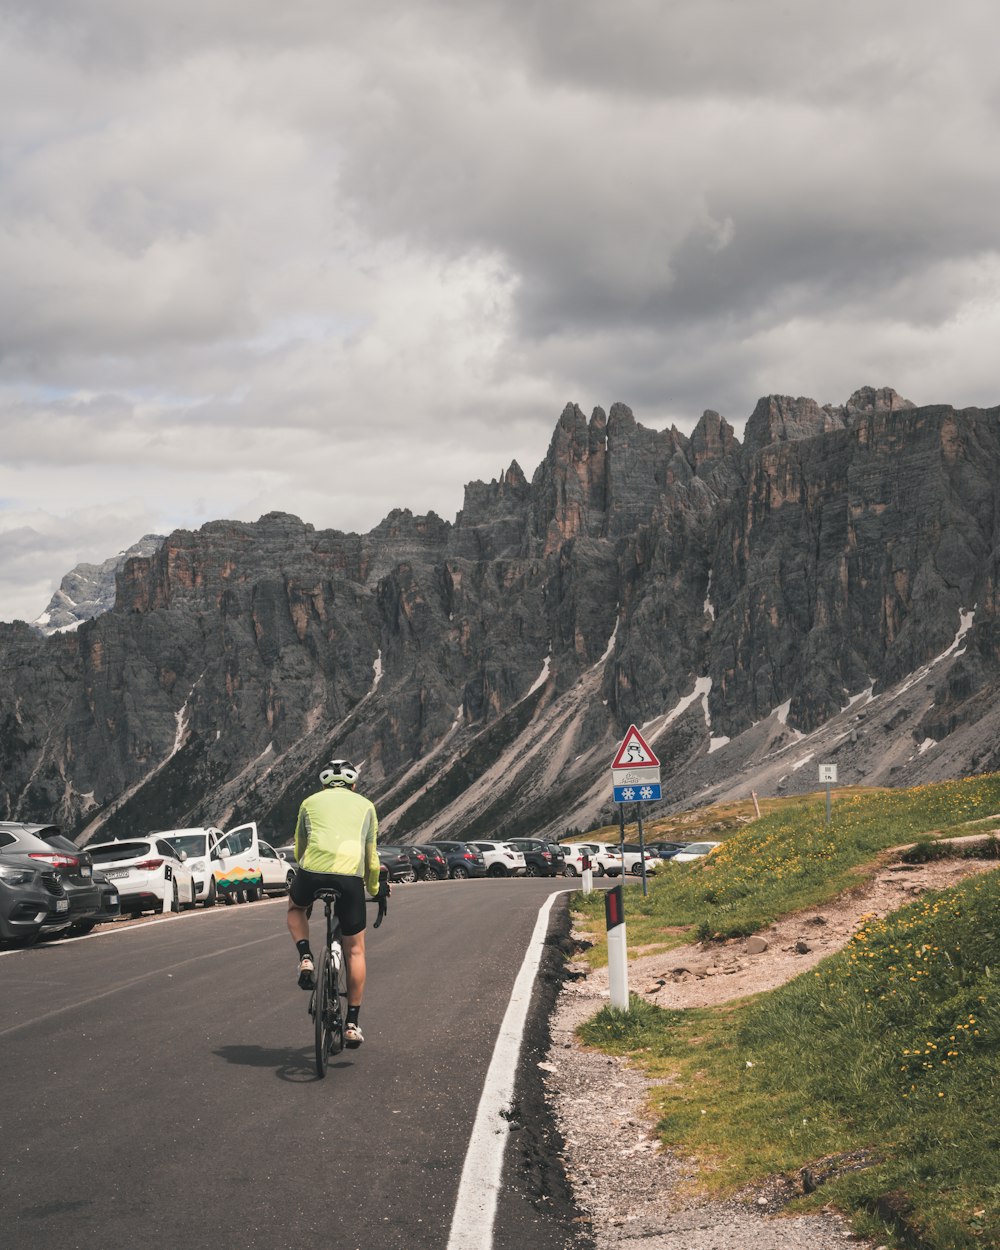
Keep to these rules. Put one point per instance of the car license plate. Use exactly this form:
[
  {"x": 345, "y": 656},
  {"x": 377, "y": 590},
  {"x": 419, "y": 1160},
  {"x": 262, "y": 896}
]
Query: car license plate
[
  {"x": 116, "y": 874},
  {"x": 86, "y": 870},
  {"x": 62, "y": 904}
]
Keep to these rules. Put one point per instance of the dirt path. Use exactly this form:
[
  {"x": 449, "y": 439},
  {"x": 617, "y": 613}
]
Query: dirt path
[{"x": 624, "y": 1182}]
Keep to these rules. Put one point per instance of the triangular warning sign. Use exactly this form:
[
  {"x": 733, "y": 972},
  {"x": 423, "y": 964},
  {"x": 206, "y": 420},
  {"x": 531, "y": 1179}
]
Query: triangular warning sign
[{"x": 635, "y": 752}]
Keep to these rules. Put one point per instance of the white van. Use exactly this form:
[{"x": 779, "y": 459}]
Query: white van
[{"x": 224, "y": 865}]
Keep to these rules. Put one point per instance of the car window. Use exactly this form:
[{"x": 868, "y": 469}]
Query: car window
[
  {"x": 239, "y": 841},
  {"x": 117, "y": 850},
  {"x": 265, "y": 851},
  {"x": 7, "y": 839},
  {"x": 166, "y": 848},
  {"x": 189, "y": 843}
]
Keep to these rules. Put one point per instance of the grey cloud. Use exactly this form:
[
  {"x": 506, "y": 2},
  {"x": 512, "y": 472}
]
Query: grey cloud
[{"x": 240, "y": 239}]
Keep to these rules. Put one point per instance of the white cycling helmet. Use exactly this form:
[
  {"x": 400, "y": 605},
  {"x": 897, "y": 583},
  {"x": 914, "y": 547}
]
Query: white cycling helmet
[{"x": 338, "y": 772}]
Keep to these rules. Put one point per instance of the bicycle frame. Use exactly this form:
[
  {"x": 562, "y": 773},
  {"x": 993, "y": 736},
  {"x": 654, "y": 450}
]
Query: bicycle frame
[{"x": 324, "y": 1002}]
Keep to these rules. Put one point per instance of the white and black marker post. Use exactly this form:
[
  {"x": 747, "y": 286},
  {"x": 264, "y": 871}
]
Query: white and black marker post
[
  {"x": 828, "y": 775},
  {"x": 588, "y": 875},
  {"x": 614, "y": 918}
]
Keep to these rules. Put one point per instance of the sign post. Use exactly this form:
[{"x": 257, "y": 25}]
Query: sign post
[
  {"x": 635, "y": 778},
  {"x": 828, "y": 775},
  {"x": 614, "y": 918}
]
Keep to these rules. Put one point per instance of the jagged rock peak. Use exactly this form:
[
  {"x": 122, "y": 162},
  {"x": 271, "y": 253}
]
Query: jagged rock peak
[
  {"x": 780, "y": 418},
  {"x": 401, "y": 521},
  {"x": 713, "y": 438},
  {"x": 869, "y": 399},
  {"x": 88, "y": 590}
]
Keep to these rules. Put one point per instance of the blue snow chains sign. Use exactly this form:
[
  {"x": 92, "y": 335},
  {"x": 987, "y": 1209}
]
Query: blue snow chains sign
[{"x": 638, "y": 793}]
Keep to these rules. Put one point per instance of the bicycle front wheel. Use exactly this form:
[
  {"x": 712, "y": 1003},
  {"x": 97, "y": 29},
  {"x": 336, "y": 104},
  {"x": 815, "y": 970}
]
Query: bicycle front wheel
[{"x": 322, "y": 1007}]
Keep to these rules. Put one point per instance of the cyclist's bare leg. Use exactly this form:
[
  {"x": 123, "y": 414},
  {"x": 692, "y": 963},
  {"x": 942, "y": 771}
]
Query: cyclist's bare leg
[
  {"x": 354, "y": 959},
  {"x": 298, "y": 922}
]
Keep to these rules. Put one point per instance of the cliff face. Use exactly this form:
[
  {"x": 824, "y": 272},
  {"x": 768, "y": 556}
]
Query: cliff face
[{"x": 829, "y": 585}]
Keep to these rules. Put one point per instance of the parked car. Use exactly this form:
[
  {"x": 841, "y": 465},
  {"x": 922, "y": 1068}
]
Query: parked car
[
  {"x": 604, "y": 858},
  {"x": 576, "y": 856},
  {"x": 437, "y": 865},
  {"x": 149, "y": 873},
  {"x": 46, "y": 844},
  {"x": 463, "y": 860},
  {"x": 694, "y": 850},
  {"x": 666, "y": 850},
  {"x": 33, "y": 901},
  {"x": 224, "y": 865},
  {"x": 276, "y": 873},
  {"x": 111, "y": 903},
  {"x": 501, "y": 859},
  {"x": 397, "y": 861},
  {"x": 633, "y": 859},
  {"x": 418, "y": 858},
  {"x": 287, "y": 853},
  {"x": 541, "y": 859}
]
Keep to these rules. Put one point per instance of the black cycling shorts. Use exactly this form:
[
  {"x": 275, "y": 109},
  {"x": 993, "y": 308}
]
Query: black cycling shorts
[{"x": 350, "y": 904}]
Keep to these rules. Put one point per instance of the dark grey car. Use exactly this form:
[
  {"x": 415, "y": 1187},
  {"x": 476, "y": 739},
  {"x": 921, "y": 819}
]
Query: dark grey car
[
  {"x": 33, "y": 901},
  {"x": 46, "y": 846},
  {"x": 463, "y": 860}
]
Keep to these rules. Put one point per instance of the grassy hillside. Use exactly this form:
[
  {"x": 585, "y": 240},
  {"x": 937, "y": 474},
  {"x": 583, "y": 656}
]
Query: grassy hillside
[
  {"x": 878, "y": 1072},
  {"x": 790, "y": 858}
]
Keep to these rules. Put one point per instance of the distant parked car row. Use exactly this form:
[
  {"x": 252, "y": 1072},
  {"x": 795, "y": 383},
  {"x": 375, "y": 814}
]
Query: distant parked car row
[
  {"x": 50, "y": 885},
  {"x": 606, "y": 857}
]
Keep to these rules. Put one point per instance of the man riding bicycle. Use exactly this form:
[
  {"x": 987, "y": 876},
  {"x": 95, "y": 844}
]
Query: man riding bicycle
[{"x": 335, "y": 846}]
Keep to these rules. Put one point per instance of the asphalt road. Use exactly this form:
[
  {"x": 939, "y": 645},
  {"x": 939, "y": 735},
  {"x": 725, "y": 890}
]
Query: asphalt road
[{"x": 158, "y": 1083}]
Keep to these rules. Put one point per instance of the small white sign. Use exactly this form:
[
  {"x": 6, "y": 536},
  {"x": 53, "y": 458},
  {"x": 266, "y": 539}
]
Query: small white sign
[
  {"x": 827, "y": 774},
  {"x": 635, "y": 776}
]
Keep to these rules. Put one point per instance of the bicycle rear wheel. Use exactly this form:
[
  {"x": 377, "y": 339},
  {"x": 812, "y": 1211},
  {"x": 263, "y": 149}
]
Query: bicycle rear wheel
[{"x": 321, "y": 1008}]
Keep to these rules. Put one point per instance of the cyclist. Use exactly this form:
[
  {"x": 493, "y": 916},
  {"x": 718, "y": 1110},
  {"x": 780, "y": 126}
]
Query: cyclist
[{"x": 335, "y": 845}]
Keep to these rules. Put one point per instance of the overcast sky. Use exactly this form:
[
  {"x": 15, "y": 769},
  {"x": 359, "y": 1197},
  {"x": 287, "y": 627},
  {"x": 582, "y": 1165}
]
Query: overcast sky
[{"x": 334, "y": 258}]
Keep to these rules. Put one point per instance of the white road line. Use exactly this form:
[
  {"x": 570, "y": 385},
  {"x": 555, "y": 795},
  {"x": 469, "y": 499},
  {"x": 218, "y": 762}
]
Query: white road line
[{"x": 479, "y": 1188}]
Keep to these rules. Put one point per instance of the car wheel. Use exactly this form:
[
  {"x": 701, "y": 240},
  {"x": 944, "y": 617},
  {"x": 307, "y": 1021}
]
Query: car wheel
[
  {"x": 497, "y": 870},
  {"x": 459, "y": 872},
  {"x": 211, "y": 895},
  {"x": 81, "y": 927},
  {"x": 636, "y": 870},
  {"x": 409, "y": 876},
  {"x": 599, "y": 870},
  {"x": 288, "y": 881},
  {"x": 175, "y": 902},
  {"x": 531, "y": 870},
  {"x": 569, "y": 871}
]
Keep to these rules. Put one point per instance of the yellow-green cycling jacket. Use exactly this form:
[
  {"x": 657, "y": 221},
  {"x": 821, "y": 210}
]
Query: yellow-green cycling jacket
[{"x": 335, "y": 832}]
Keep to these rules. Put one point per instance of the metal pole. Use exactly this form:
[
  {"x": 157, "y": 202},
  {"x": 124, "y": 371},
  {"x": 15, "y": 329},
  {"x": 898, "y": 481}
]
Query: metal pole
[
  {"x": 621, "y": 837},
  {"x": 642, "y": 851}
]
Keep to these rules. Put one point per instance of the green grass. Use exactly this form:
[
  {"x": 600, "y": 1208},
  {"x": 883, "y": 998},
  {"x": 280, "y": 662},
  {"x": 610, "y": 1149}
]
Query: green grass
[
  {"x": 890, "y": 1048},
  {"x": 791, "y": 859}
]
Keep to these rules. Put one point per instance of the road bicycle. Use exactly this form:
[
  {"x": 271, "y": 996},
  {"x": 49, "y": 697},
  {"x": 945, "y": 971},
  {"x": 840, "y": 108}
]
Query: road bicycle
[{"x": 324, "y": 1002}]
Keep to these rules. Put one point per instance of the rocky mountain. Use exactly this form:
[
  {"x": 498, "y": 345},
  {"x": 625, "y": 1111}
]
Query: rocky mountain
[
  {"x": 89, "y": 589},
  {"x": 823, "y": 591}
]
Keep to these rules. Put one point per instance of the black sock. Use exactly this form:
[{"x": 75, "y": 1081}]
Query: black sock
[
  {"x": 303, "y": 948},
  {"x": 352, "y": 1014}
]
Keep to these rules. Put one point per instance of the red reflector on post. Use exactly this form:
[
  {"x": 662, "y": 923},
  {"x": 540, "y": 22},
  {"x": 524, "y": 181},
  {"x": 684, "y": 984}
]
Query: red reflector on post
[{"x": 614, "y": 908}]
